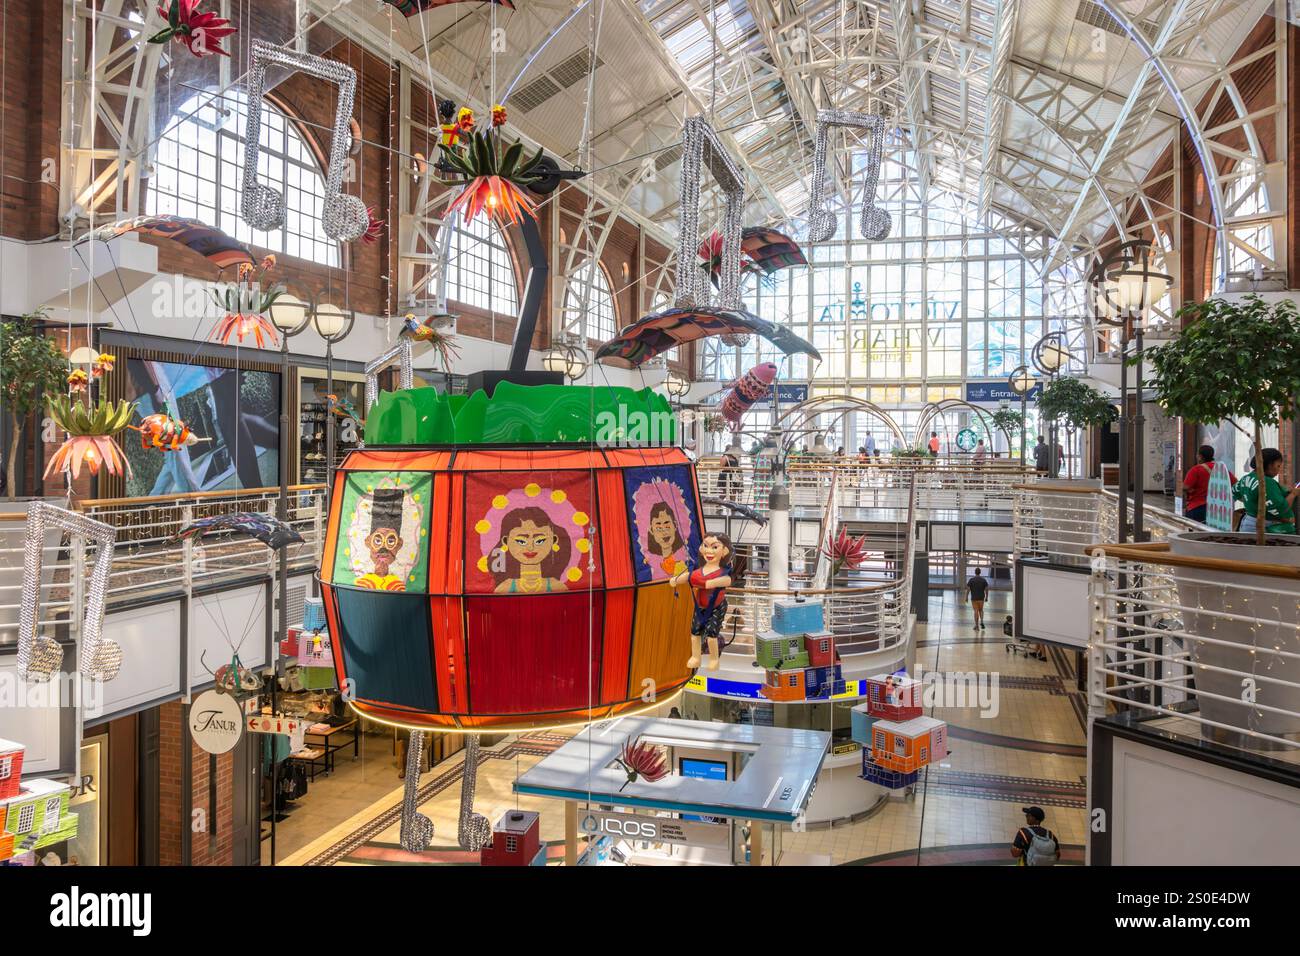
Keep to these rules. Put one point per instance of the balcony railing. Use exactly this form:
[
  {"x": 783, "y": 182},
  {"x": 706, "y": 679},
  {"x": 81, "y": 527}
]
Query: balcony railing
[{"x": 1197, "y": 647}]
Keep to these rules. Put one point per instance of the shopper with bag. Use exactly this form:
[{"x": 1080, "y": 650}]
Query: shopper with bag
[{"x": 1035, "y": 845}]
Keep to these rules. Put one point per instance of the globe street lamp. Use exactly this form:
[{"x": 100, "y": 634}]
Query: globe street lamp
[{"x": 333, "y": 325}]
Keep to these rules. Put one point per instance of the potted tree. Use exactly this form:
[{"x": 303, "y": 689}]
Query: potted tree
[
  {"x": 30, "y": 364},
  {"x": 1069, "y": 514},
  {"x": 1011, "y": 423},
  {"x": 1238, "y": 361}
]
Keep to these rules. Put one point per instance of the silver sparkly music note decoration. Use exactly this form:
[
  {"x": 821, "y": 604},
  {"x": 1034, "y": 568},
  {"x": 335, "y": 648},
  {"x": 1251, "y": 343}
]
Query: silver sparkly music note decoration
[
  {"x": 474, "y": 832},
  {"x": 343, "y": 217},
  {"x": 400, "y": 350},
  {"x": 875, "y": 222},
  {"x": 40, "y": 657},
  {"x": 700, "y": 147},
  {"x": 416, "y": 829}
]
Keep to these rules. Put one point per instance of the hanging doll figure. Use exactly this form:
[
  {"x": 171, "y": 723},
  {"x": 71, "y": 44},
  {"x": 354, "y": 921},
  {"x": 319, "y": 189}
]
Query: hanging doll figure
[{"x": 708, "y": 583}]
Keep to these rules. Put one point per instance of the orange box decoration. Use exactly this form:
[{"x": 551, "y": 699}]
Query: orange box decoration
[
  {"x": 486, "y": 587},
  {"x": 908, "y": 746}
]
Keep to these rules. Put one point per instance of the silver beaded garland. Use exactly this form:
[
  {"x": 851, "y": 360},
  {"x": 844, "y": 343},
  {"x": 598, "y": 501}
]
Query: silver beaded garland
[
  {"x": 473, "y": 831},
  {"x": 875, "y": 223},
  {"x": 343, "y": 217},
  {"x": 701, "y": 146},
  {"x": 416, "y": 829},
  {"x": 400, "y": 350}
]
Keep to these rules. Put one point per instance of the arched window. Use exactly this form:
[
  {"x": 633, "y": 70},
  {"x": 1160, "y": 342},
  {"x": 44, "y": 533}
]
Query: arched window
[
  {"x": 479, "y": 270},
  {"x": 1247, "y": 195},
  {"x": 589, "y": 303},
  {"x": 198, "y": 170}
]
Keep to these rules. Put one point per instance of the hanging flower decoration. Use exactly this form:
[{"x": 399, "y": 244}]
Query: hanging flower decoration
[
  {"x": 498, "y": 115},
  {"x": 245, "y": 302},
  {"x": 710, "y": 253},
  {"x": 103, "y": 364},
  {"x": 845, "y": 552},
  {"x": 493, "y": 177},
  {"x": 78, "y": 380},
  {"x": 201, "y": 33},
  {"x": 90, "y": 436},
  {"x": 374, "y": 229},
  {"x": 642, "y": 760}
]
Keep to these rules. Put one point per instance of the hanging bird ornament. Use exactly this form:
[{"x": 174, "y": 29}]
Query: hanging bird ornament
[
  {"x": 165, "y": 432},
  {"x": 754, "y": 385}
]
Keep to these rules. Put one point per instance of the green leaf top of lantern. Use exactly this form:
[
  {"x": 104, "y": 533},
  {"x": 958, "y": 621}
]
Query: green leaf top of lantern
[{"x": 609, "y": 416}]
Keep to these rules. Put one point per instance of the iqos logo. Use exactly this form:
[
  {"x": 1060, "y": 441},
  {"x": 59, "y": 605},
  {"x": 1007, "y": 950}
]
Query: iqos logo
[{"x": 637, "y": 829}]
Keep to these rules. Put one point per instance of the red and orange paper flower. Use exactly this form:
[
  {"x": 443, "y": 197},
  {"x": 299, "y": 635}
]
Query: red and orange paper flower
[
  {"x": 90, "y": 436},
  {"x": 246, "y": 302},
  {"x": 374, "y": 228},
  {"x": 201, "y": 33},
  {"x": 642, "y": 760},
  {"x": 846, "y": 552},
  {"x": 493, "y": 177}
]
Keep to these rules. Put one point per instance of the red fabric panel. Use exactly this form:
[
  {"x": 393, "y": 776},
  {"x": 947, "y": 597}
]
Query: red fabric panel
[
  {"x": 444, "y": 553},
  {"x": 615, "y": 547},
  {"x": 619, "y": 606},
  {"x": 534, "y": 653},
  {"x": 448, "y": 623},
  {"x": 332, "y": 528}
]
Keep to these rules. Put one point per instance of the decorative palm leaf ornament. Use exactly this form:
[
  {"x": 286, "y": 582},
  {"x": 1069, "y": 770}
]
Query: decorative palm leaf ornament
[{"x": 90, "y": 436}]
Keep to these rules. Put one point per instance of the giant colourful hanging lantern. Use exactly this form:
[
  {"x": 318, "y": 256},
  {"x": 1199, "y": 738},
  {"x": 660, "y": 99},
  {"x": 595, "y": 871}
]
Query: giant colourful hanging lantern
[{"x": 502, "y": 563}]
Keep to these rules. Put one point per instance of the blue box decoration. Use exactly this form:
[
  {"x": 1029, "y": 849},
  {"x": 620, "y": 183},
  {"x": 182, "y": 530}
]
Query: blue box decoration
[
  {"x": 313, "y": 614},
  {"x": 797, "y": 617},
  {"x": 860, "y": 721},
  {"x": 883, "y": 776}
]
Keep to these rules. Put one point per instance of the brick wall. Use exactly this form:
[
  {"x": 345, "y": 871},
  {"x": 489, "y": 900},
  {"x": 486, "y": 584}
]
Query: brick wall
[{"x": 204, "y": 850}]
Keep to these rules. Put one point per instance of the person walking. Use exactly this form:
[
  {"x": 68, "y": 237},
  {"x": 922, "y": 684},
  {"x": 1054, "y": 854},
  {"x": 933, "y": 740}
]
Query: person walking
[
  {"x": 1042, "y": 455},
  {"x": 1196, "y": 484},
  {"x": 981, "y": 453},
  {"x": 934, "y": 444},
  {"x": 1279, "y": 504},
  {"x": 978, "y": 589},
  {"x": 1035, "y": 845},
  {"x": 870, "y": 446}
]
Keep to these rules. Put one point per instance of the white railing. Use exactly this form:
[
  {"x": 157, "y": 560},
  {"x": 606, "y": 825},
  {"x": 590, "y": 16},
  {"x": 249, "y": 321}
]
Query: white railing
[
  {"x": 1197, "y": 647},
  {"x": 939, "y": 486},
  {"x": 148, "y": 562},
  {"x": 1057, "y": 521},
  {"x": 63, "y": 560}
]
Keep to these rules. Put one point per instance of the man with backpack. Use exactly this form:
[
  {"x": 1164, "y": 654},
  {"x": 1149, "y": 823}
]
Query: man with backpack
[{"x": 1035, "y": 845}]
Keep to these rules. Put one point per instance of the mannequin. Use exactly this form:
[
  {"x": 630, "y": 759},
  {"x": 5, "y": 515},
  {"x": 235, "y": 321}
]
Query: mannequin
[{"x": 708, "y": 582}]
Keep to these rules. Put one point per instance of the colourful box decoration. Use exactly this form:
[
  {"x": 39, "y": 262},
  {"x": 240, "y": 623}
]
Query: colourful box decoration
[
  {"x": 860, "y": 721},
  {"x": 884, "y": 777},
  {"x": 893, "y": 697},
  {"x": 11, "y": 768},
  {"x": 784, "y": 686},
  {"x": 910, "y": 745},
  {"x": 797, "y": 617},
  {"x": 313, "y": 614},
  {"x": 516, "y": 840},
  {"x": 823, "y": 682},
  {"x": 38, "y": 817},
  {"x": 820, "y": 646},
  {"x": 771, "y": 648}
]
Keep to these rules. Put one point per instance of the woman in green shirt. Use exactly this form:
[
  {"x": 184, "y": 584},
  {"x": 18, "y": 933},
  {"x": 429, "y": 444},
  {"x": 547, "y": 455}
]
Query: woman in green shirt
[{"x": 1280, "y": 504}]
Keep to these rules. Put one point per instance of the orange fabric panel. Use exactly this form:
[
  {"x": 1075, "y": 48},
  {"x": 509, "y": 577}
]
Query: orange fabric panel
[
  {"x": 528, "y": 460},
  {"x": 332, "y": 620},
  {"x": 448, "y": 643},
  {"x": 615, "y": 546},
  {"x": 375, "y": 460},
  {"x": 443, "y": 553},
  {"x": 619, "y": 608},
  {"x": 332, "y": 528},
  {"x": 661, "y": 636},
  {"x": 635, "y": 457}
]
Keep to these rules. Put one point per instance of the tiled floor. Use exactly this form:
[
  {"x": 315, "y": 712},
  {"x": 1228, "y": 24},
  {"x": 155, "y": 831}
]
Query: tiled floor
[{"x": 964, "y": 810}]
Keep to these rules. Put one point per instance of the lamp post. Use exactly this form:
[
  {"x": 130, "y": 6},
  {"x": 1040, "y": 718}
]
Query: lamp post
[
  {"x": 566, "y": 357},
  {"x": 1135, "y": 287},
  {"x": 333, "y": 325},
  {"x": 1021, "y": 382},
  {"x": 290, "y": 315},
  {"x": 1049, "y": 356}
]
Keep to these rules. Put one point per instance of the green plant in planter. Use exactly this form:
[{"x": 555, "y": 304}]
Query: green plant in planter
[
  {"x": 1232, "y": 360},
  {"x": 1010, "y": 423},
  {"x": 30, "y": 364},
  {"x": 1077, "y": 404}
]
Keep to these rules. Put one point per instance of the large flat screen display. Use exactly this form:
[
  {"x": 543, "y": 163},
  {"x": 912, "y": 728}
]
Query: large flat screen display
[{"x": 235, "y": 411}]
